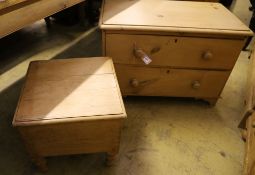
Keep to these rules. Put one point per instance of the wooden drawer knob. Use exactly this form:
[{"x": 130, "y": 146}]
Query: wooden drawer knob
[
  {"x": 207, "y": 55},
  {"x": 134, "y": 82},
  {"x": 253, "y": 124},
  {"x": 140, "y": 54},
  {"x": 195, "y": 84}
]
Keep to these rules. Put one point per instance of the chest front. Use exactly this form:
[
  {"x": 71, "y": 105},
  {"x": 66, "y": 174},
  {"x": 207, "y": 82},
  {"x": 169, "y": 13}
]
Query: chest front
[{"x": 171, "y": 48}]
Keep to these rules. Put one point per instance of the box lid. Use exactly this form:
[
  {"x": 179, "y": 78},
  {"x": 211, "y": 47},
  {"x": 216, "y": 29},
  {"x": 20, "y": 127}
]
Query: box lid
[
  {"x": 165, "y": 15},
  {"x": 68, "y": 89}
]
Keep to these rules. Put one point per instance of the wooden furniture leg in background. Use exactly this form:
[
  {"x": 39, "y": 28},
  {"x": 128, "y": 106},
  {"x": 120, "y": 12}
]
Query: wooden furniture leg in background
[
  {"x": 248, "y": 122},
  {"x": 249, "y": 162}
]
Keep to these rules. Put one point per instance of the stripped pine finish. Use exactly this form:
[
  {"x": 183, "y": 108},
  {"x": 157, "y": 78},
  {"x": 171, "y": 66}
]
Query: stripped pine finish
[
  {"x": 198, "y": 43},
  {"x": 9, "y": 3},
  {"x": 249, "y": 120},
  {"x": 70, "y": 106},
  {"x": 18, "y": 16}
]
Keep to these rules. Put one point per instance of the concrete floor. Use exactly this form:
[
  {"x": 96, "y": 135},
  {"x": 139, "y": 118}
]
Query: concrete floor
[{"x": 166, "y": 136}]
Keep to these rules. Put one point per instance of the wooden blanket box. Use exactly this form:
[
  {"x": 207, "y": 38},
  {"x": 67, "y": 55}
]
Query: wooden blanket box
[{"x": 70, "y": 106}]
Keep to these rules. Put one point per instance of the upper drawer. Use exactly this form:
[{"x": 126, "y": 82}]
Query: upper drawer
[{"x": 183, "y": 52}]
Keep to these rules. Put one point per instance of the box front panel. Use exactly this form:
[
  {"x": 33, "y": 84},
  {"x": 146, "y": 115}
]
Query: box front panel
[{"x": 73, "y": 138}]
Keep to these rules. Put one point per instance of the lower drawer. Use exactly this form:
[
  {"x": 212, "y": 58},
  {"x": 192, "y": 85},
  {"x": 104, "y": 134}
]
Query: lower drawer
[{"x": 149, "y": 81}]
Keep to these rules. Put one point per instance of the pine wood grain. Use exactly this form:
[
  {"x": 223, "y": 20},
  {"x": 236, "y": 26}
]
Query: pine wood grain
[
  {"x": 9, "y": 3},
  {"x": 250, "y": 90},
  {"x": 24, "y": 15},
  {"x": 249, "y": 162},
  {"x": 73, "y": 137},
  {"x": 70, "y": 106},
  {"x": 180, "y": 16},
  {"x": 53, "y": 87},
  {"x": 249, "y": 120},
  {"x": 174, "y": 51},
  {"x": 195, "y": 40},
  {"x": 170, "y": 82}
]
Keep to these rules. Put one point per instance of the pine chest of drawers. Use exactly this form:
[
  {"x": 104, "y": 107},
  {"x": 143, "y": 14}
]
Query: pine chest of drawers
[{"x": 171, "y": 48}]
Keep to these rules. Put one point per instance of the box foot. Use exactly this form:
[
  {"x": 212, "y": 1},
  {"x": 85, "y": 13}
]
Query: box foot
[
  {"x": 40, "y": 163},
  {"x": 211, "y": 101},
  {"x": 110, "y": 158}
]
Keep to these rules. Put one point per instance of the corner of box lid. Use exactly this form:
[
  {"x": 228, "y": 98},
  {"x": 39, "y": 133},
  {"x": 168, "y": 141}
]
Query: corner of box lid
[
  {"x": 15, "y": 122},
  {"x": 250, "y": 33},
  {"x": 103, "y": 26},
  {"x": 121, "y": 115}
]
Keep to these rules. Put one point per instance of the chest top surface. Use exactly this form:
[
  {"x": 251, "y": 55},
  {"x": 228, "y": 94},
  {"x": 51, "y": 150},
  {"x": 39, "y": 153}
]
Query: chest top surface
[
  {"x": 170, "y": 15},
  {"x": 71, "y": 88}
]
